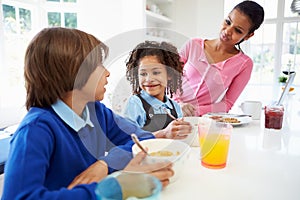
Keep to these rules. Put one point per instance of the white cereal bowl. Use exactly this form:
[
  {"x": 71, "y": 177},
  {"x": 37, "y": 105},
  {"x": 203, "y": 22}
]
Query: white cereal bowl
[{"x": 179, "y": 149}]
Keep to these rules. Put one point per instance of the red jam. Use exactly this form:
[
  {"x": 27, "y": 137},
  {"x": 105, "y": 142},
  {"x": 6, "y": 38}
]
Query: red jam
[{"x": 274, "y": 117}]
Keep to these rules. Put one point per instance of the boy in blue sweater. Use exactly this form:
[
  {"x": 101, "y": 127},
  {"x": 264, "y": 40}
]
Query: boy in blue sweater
[{"x": 59, "y": 149}]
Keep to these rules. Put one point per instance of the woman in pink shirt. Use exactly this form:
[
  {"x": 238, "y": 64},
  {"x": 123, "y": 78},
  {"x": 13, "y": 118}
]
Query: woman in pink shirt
[{"x": 216, "y": 71}]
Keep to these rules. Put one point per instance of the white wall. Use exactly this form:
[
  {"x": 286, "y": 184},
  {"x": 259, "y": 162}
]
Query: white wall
[
  {"x": 105, "y": 19},
  {"x": 210, "y": 17},
  {"x": 100, "y": 17},
  {"x": 198, "y": 18}
]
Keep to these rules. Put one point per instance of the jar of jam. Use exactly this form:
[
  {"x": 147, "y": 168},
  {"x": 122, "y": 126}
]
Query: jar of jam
[{"x": 274, "y": 116}]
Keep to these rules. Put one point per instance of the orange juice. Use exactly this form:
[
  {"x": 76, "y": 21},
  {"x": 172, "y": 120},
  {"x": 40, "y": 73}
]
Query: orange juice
[{"x": 214, "y": 150}]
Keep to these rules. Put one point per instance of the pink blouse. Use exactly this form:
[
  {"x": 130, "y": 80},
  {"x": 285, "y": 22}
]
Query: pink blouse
[{"x": 212, "y": 87}]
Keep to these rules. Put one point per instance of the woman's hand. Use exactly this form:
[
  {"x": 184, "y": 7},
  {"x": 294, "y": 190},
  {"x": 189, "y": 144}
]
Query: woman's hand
[
  {"x": 93, "y": 173},
  {"x": 163, "y": 171},
  {"x": 187, "y": 109},
  {"x": 177, "y": 129}
]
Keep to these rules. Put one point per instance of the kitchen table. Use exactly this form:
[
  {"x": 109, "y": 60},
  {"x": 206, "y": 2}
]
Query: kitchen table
[{"x": 262, "y": 164}]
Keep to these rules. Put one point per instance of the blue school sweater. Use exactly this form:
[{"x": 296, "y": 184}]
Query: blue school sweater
[{"x": 46, "y": 154}]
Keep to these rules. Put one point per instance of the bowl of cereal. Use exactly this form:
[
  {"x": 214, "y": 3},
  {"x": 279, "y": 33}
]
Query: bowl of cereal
[{"x": 161, "y": 149}]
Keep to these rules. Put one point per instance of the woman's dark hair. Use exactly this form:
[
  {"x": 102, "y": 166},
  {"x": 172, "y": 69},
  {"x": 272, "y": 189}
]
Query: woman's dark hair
[
  {"x": 254, "y": 11},
  {"x": 57, "y": 61},
  {"x": 166, "y": 54}
]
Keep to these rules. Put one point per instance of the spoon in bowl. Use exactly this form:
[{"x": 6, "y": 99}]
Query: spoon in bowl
[{"x": 137, "y": 142}]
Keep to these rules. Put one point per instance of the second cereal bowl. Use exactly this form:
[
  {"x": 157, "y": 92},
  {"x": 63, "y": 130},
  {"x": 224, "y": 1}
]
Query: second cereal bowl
[{"x": 161, "y": 150}]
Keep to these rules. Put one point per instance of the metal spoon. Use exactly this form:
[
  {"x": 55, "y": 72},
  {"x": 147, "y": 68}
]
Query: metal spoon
[{"x": 137, "y": 142}]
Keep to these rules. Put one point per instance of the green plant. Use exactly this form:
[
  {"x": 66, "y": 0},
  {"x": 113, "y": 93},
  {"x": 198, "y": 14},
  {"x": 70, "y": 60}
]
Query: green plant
[{"x": 282, "y": 79}]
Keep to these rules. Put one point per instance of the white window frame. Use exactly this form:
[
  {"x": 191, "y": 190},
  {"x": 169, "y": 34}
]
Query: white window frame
[{"x": 10, "y": 112}]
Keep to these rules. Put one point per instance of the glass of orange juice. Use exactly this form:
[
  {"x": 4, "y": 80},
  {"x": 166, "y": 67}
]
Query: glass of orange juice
[{"x": 214, "y": 139}]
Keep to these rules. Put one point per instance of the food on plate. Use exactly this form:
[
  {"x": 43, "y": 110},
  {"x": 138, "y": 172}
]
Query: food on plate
[
  {"x": 216, "y": 117},
  {"x": 163, "y": 153},
  {"x": 225, "y": 119},
  {"x": 230, "y": 120}
]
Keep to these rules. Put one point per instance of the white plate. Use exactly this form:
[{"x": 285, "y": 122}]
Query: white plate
[{"x": 244, "y": 119}]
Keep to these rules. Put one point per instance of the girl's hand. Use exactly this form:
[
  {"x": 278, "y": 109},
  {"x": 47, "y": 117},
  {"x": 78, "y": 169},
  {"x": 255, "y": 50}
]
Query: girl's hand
[
  {"x": 163, "y": 171},
  {"x": 177, "y": 129}
]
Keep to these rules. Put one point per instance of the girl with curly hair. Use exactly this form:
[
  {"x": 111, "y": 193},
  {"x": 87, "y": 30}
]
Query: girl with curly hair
[{"x": 154, "y": 71}]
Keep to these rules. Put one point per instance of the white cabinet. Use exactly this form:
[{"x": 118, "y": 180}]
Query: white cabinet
[{"x": 158, "y": 17}]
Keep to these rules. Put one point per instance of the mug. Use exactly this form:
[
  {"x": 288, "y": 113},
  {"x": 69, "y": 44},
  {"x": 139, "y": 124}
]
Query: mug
[{"x": 253, "y": 108}]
